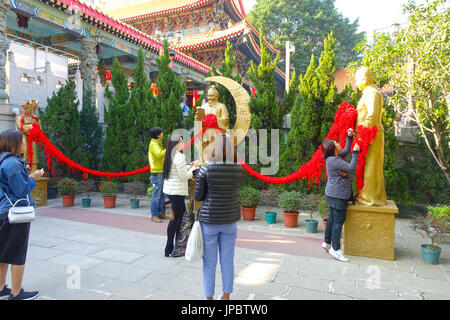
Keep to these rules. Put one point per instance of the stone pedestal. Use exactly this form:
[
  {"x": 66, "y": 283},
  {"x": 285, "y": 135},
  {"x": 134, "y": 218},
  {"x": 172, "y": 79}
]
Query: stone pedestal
[
  {"x": 40, "y": 192},
  {"x": 369, "y": 231}
]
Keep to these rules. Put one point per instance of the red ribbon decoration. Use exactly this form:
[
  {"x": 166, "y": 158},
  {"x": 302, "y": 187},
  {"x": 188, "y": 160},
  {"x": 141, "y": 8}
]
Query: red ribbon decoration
[{"x": 345, "y": 118}]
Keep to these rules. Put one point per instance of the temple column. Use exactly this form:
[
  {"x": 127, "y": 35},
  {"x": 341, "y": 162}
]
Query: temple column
[
  {"x": 89, "y": 65},
  {"x": 4, "y": 46}
]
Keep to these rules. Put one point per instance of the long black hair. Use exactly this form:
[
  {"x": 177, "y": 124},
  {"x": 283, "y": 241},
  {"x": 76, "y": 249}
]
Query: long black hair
[
  {"x": 171, "y": 145},
  {"x": 10, "y": 141}
]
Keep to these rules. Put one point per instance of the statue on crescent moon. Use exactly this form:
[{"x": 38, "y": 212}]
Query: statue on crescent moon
[{"x": 217, "y": 108}]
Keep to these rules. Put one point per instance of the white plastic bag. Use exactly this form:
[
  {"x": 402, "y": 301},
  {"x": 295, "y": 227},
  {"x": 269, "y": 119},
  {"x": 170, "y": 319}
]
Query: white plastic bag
[{"x": 194, "y": 248}]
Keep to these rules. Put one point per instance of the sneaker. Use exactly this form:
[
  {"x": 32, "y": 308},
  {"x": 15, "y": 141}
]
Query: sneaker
[
  {"x": 5, "y": 293},
  {"x": 338, "y": 255},
  {"x": 25, "y": 295},
  {"x": 326, "y": 246},
  {"x": 156, "y": 219}
]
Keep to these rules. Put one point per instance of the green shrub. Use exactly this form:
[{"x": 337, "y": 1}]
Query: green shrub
[
  {"x": 290, "y": 201},
  {"x": 248, "y": 197},
  {"x": 135, "y": 188},
  {"x": 323, "y": 209},
  {"x": 269, "y": 198},
  {"x": 435, "y": 224},
  {"x": 108, "y": 188},
  {"x": 87, "y": 186},
  {"x": 149, "y": 192},
  {"x": 68, "y": 187}
]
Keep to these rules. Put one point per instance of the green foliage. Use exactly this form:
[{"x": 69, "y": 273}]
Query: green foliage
[
  {"x": 306, "y": 23},
  {"x": 169, "y": 99},
  {"x": 149, "y": 192},
  {"x": 68, "y": 187},
  {"x": 264, "y": 107},
  {"x": 87, "y": 186},
  {"x": 116, "y": 144},
  {"x": 61, "y": 124},
  {"x": 323, "y": 209},
  {"x": 269, "y": 197},
  {"x": 108, "y": 188},
  {"x": 435, "y": 225},
  {"x": 415, "y": 61},
  {"x": 142, "y": 117},
  {"x": 135, "y": 188},
  {"x": 309, "y": 203},
  {"x": 312, "y": 114},
  {"x": 289, "y": 201},
  {"x": 91, "y": 132},
  {"x": 426, "y": 183},
  {"x": 248, "y": 197}
]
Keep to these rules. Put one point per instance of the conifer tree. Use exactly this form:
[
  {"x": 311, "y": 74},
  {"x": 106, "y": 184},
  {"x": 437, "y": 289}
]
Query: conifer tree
[
  {"x": 228, "y": 69},
  {"x": 264, "y": 107},
  {"x": 115, "y": 145},
  {"x": 171, "y": 91},
  {"x": 91, "y": 132},
  {"x": 142, "y": 111},
  {"x": 61, "y": 124}
]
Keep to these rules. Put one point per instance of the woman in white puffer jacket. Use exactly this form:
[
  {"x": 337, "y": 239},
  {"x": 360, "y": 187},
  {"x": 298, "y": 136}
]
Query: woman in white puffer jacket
[{"x": 176, "y": 174}]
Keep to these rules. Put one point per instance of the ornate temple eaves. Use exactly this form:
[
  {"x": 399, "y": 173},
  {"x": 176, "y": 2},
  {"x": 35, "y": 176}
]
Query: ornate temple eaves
[
  {"x": 111, "y": 24},
  {"x": 129, "y": 11}
]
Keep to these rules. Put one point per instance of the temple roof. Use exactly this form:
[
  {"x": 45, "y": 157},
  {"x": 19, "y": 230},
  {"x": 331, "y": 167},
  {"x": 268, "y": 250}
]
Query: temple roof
[
  {"x": 123, "y": 30},
  {"x": 126, "y": 9}
]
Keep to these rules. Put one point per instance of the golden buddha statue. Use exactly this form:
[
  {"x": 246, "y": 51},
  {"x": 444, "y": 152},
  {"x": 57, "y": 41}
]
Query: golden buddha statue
[
  {"x": 220, "y": 111},
  {"x": 370, "y": 109},
  {"x": 24, "y": 122}
]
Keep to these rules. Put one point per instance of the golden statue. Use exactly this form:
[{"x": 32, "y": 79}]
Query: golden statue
[
  {"x": 24, "y": 122},
  {"x": 370, "y": 109},
  {"x": 220, "y": 111}
]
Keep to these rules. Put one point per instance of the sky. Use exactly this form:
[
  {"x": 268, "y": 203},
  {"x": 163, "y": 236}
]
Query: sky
[{"x": 373, "y": 15}]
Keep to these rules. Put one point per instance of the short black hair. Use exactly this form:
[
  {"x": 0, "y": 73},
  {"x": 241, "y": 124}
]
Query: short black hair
[
  {"x": 155, "y": 132},
  {"x": 328, "y": 148},
  {"x": 10, "y": 141}
]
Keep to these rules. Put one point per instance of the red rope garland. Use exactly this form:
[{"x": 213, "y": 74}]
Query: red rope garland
[{"x": 345, "y": 118}]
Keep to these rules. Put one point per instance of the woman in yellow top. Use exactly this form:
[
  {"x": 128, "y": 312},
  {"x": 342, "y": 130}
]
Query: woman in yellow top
[{"x": 156, "y": 154}]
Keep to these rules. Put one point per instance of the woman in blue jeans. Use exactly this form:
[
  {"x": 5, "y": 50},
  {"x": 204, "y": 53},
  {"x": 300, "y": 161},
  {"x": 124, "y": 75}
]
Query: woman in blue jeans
[
  {"x": 217, "y": 185},
  {"x": 338, "y": 191}
]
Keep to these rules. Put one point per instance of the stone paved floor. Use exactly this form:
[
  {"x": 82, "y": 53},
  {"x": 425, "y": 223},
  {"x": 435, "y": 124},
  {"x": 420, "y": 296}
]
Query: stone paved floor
[{"x": 99, "y": 253}]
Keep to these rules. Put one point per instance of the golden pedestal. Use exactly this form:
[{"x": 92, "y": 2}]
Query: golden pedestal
[
  {"x": 369, "y": 231},
  {"x": 40, "y": 192}
]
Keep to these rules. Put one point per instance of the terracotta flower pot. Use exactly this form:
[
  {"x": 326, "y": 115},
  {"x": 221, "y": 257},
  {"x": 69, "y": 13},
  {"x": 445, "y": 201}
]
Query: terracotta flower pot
[
  {"x": 248, "y": 213},
  {"x": 110, "y": 202},
  {"x": 68, "y": 201},
  {"x": 291, "y": 219},
  {"x": 324, "y": 224}
]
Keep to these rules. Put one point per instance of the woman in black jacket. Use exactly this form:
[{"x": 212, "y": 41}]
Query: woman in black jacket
[{"x": 217, "y": 185}]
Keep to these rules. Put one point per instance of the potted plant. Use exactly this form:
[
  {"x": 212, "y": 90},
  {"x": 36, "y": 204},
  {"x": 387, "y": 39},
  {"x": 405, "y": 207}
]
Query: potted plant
[
  {"x": 86, "y": 187},
  {"x": 309, "y": 204},
  {"x": 324, "y": 211},
  {"x": 290, "y": 203},
  {"x": 52, "y": 188},
  {"x": 435, "y": 225},
  {"x": 68, "y": 188},
  {"x": 269, "y": 198},
  {"x": 249, "y": 199},
  {"x": 108, "y": 189},
  {"x": 135, "y": 189}
]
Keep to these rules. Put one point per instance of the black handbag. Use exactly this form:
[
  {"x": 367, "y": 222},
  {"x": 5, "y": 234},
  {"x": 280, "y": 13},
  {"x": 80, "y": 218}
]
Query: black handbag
[{"x": 183, "y": 233}]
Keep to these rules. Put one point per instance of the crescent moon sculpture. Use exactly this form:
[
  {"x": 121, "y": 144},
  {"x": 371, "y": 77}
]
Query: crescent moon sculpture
[{"x": 242, "y": 100}]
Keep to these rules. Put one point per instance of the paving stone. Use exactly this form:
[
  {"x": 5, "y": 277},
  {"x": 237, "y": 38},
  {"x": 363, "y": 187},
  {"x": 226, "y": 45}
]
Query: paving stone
[
  {"x": 260, "y": 286},
  {"x": 301, "y": 281},
  {"x": 77, "y": 247},
  {"x": 37, "y": 252},
  {"x": 43, "y": 240},
  {"x": 364, "y": 293},
  {"x": 87, "y": 238},
  {"x": 70, "y": 259},
  {"x": 296, "y": 293},
  {"x": 117, "y": 255},
  {"x": 121, "y": 271}
]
